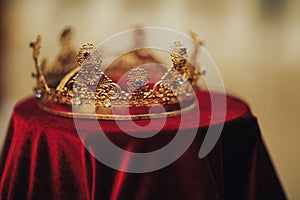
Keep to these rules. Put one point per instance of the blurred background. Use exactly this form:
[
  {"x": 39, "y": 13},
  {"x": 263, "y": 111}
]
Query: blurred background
[{"x": 255, "y": 44}]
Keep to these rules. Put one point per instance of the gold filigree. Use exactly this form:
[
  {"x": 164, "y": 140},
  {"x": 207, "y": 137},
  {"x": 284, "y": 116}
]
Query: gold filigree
[{"x": 90, "y": 89}]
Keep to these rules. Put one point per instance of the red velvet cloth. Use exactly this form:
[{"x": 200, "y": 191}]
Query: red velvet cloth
[{"x": 44, "y": 158}]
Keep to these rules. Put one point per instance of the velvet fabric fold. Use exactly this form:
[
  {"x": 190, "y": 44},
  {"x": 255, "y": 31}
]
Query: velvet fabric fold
[{"x": 44, "y": 158}]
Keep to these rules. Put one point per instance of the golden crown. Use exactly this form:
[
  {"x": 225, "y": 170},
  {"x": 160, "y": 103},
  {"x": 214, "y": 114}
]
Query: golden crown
[{"x": 76, "y": 86}]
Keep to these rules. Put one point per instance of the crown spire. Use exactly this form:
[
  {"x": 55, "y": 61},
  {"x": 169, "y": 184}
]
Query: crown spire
[{"x": 38, "y": 73}]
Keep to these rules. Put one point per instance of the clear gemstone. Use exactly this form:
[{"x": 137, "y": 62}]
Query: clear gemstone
[
  {"x": 165, "y": 99},
  {"x": 182, "y": 51},
  {"x": 107, "y": 103},
  {"x": 180, "y": 81},
  {"x": 38, "y": 95},
  {"x": 77, "y": 101}
]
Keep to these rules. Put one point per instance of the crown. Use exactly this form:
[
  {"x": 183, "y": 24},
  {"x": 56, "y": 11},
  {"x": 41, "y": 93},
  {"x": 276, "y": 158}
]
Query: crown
[{"x": 77, "y": 86}]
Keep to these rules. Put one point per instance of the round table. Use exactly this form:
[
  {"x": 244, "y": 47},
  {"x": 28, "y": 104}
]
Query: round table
[{"x": 44, "y": 158}]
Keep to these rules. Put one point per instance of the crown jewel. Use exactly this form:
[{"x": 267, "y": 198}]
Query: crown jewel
[{"x": 79, "y": 88}]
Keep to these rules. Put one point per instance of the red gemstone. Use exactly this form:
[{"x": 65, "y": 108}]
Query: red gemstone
[{"x": 87, "y": 55}]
